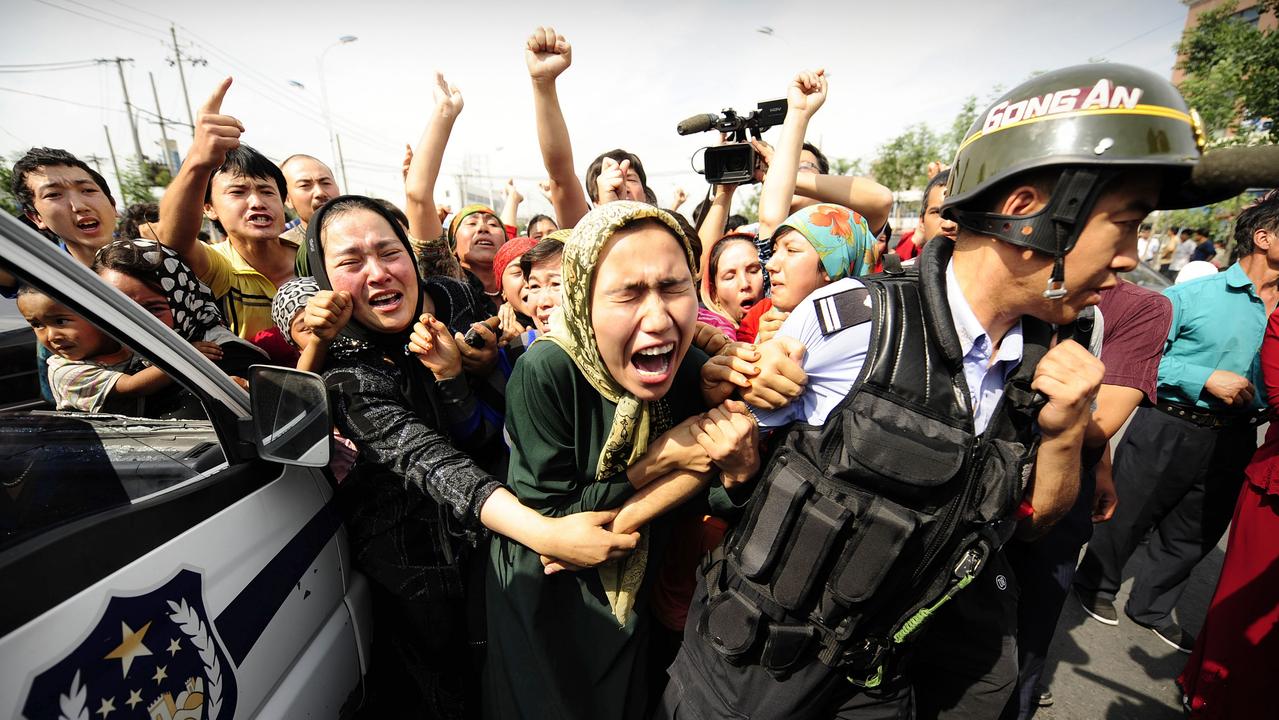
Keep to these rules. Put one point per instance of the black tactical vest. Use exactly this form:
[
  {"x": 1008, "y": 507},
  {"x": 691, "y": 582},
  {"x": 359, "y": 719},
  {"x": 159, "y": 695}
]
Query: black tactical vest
[{"x": 863, "y": 526}]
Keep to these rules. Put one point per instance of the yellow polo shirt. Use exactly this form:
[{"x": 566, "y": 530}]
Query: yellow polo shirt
[{"x": 243, "y": 294}]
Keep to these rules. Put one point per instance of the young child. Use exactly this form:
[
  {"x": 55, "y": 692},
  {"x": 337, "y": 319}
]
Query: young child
[
  {"x": 89, "y": 371},
  {"x": 288, "y": 310}
]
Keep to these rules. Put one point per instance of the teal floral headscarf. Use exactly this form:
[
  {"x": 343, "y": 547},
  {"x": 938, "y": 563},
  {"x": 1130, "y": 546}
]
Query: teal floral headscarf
[{"x": 841, "y": 237}]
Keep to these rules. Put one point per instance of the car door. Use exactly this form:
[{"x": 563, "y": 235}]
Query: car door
[{"x": 161, "y": 568}]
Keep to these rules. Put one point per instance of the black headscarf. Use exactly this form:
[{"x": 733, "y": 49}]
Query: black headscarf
[
  {"x": 354, "y": 332},
  {"x": 357, "y": 338}
]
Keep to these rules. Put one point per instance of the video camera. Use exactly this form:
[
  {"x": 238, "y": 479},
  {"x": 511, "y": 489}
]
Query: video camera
[{"x": 733, "y": 164}]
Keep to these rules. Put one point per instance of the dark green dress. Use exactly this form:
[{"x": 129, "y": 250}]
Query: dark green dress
[{"x": 555, "y": 649}]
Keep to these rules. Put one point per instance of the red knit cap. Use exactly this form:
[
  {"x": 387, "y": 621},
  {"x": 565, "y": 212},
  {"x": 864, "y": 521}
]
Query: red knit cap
[{"x": 510, "y": 250}]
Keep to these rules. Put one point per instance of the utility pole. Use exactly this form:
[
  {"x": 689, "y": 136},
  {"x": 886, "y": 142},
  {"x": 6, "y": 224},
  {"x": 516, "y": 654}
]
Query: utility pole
[
  {"x": 164, "y": 135},
  {"x": 342, "y": 164},
  {"x": 128, "y": 106},
  {"x": 114, "y": 164},
  {"x": 177, "y": 60},
  {"x": 97, "y": 162}
]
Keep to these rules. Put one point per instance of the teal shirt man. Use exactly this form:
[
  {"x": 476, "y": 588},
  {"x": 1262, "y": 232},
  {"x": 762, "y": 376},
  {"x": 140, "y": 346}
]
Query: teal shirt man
[{"x": 1217, "y": 324}]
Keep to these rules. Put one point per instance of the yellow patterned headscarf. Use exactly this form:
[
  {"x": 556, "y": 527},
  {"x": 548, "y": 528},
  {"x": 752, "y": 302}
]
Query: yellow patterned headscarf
[
  {"x": 571, "y": 330},
  {"x": 462, "y": 215},
  {"x": 562, "y": 234}
]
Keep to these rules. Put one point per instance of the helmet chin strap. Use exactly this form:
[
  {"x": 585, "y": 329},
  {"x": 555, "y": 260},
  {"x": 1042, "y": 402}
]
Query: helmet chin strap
[
  {"x": 1051, "y": 231},
  {"x": 1056, "y": 289}
]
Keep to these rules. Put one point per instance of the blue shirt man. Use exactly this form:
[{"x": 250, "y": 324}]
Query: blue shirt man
[{"x": 1217, "y": 324}]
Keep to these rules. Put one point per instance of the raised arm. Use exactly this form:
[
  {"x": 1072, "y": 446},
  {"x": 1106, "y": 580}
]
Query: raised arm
[
  {"x": 424, "y": 168},
  {"x": 182, "y": 207},
  {"x": 872, "y": 200},
  {"x": 712, "y": 227},
  {"x": 805, "y": 95},
  {"x": 547, "y": 55},
  {"x": 510, "y": 210},
  {"x": 678, "y": 200}
]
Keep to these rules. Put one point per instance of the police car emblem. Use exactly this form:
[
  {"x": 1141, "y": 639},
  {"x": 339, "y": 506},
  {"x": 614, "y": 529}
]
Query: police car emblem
[{"x": 150, "y": 656}]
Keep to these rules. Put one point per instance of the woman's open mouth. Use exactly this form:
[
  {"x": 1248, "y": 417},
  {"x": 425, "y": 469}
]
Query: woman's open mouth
[
  {"x": 386, "y": 302},
  {"x": 653, "y": 364}
]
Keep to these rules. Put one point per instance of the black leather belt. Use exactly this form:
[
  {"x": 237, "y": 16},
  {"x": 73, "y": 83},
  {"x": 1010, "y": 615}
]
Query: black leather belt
[{"x": 1213, "y": 420}]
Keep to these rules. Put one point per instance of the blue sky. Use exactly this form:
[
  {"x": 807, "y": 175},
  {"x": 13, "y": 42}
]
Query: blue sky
[{"x": 638, "y": 68}]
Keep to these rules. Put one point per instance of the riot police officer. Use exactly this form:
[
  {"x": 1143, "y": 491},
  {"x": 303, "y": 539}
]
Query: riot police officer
[{"x": 939, "y": 410}]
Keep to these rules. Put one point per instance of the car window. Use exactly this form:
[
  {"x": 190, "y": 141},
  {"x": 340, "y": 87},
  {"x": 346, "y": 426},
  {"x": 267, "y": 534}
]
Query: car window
[
  {"x": 1146, "y": 277},
  {"x": 101, "y": 447},
  {"x": 19, "y": 385}
]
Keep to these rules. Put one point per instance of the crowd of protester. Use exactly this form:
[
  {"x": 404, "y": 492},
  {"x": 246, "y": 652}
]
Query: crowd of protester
[{"x": 545, "y": 431}]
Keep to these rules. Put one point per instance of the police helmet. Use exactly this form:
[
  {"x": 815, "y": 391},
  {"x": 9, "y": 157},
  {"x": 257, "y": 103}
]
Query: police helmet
[{"x": 1093, "y": 121}]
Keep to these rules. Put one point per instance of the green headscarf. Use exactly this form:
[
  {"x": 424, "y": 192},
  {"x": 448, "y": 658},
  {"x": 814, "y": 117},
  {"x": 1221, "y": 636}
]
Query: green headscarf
[
  {"x": 571, "y": 330},
  {"x": 462, "y": 215}
]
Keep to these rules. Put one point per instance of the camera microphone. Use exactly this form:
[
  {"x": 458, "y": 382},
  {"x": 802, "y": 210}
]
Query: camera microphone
[
  {"x": 1226, "y": 172},
  {"x": 697, "y": 124}
]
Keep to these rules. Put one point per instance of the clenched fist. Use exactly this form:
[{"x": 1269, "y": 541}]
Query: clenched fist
[
  {"x": 1069, "y": 376},
  {"x": 1231, "y": 388},
  {"x": 327, "y": 312},
  {"x": 547, "y": 54}
]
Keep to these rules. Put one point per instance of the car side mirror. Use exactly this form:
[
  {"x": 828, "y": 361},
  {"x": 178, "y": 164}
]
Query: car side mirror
[{"x": 290, "y": 416}]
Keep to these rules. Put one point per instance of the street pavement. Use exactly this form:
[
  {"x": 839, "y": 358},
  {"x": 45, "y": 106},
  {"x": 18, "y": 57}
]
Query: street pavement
[
  {"x": 1125, "y": 672},
  {"x": 1104, "y": 672}
]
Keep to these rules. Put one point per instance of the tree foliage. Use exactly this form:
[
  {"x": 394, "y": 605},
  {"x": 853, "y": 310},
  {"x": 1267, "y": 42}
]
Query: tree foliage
[
  {"x": 902, "y": 163},
  {"x": 7, "y": 199},
  {"x": 750, "y": 203},
  {"x": 1217, "y": 219},
  {"x": 138, "y": 180},
  {"x": 1232, "y": 75},
  {"x": 959, "y": 128},
  {"x": 1232, "y": 79},
  {"x": 844, "y": 166}
]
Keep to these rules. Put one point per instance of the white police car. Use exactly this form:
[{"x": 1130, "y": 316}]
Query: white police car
[{"x": 172, "y": 569}]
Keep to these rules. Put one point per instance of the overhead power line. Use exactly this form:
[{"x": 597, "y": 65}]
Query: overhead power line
[
  {"x": 140, "y": 10},
  {"x": 24, "y": 71},
  {"x": 126, "y": 28},
  {"x": 61, "y": 100},
  {"x": 17, "y": 66}
]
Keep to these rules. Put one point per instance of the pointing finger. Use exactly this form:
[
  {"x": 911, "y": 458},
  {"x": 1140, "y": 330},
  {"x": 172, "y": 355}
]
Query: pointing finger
[{"x": 213, "y": 105}]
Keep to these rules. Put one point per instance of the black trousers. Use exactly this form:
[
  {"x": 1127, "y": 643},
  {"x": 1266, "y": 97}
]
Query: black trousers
[
  {"x": 705, "y": 686},
  {"x": 1179, "y": 482},
  {"x": 1044, "y": 570},
  {"x": 964, "y": 666}
]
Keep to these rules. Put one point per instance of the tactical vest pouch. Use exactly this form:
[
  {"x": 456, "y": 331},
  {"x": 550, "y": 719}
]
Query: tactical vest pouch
[
  {"x": 819, "y": 524},
  {"x": 1013, "y": 462},
  {"x": 764, "y": 534},
  {"x": 881, "y": 537},
  {"x": 785, "y": 646},
  {"x": 731, "y": 623},
  {"x": 906, "y": 451}
]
